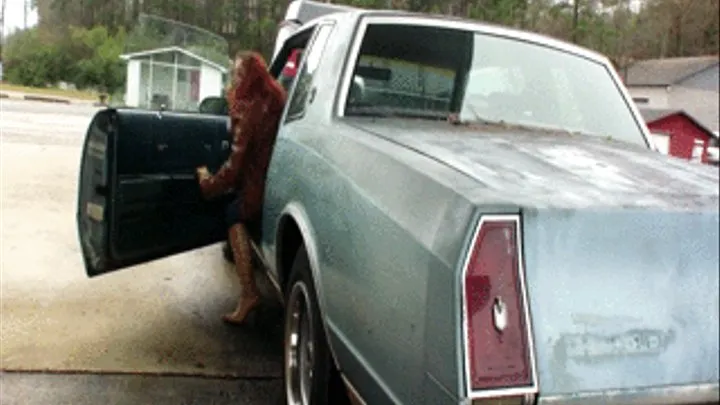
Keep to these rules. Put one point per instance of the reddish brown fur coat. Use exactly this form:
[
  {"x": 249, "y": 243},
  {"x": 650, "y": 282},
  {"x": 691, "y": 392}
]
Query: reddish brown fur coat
[{"x": 256, "y": 103}]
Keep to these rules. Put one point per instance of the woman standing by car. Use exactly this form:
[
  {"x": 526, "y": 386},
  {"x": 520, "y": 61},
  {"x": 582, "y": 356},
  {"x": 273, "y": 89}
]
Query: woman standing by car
[{"x": 256, "y": 102}]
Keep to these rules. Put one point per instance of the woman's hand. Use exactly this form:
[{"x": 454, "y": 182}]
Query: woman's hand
[
  {"x": 202, "y": 173},
  {"x": 204, "y": 177}
]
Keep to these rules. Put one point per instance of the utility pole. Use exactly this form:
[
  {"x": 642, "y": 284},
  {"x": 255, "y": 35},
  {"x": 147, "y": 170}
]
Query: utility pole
[
  {"x": 2, "y": 17},
  {"x": 2, "y": 26},
  {"x": 576, "y": 18},
  {"x": 26, "y": 5}
]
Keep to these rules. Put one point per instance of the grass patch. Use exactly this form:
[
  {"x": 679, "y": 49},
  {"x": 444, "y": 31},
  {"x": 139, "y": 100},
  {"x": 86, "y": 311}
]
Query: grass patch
[{"x": 77, "y": 94}]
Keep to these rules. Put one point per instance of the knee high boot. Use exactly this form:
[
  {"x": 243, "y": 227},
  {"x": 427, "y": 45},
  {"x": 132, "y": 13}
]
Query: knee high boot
[{"x": 249, "y": 296}]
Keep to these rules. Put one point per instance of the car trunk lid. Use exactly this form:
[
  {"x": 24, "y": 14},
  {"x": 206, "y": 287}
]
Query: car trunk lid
[
  {"x": 622, "y": 298},
  {"x": 541, "y": 169}
]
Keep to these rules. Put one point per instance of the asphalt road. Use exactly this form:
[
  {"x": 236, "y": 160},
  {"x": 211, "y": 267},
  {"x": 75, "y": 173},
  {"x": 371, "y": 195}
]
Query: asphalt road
[
  {"x": 38, "y": 123},
  {"x": 147, "y": 335}
]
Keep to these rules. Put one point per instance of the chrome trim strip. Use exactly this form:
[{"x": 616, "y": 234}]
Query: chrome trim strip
[
  {"x": 635, "y": 112},
  {"x": 532, "y": 389},
  {"x": 349, "y": 67},
  {"x": 388, "y": 393},
  {"x": 704, "y": 394},
  {"x": 356, "y": 399}
]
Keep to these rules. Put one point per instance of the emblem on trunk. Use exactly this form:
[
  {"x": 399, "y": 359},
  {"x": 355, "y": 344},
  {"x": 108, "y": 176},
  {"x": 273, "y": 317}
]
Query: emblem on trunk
[{"x": 637, "y": 342}]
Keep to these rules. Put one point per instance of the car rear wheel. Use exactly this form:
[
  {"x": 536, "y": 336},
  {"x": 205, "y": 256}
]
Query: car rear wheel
[{"x": 308, "y": 369}]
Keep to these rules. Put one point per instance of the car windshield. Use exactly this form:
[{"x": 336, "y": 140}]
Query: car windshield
[{"x": 486, "y": 79}]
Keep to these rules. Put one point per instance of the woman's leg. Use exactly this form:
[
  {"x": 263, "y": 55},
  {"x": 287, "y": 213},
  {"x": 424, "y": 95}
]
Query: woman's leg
[
  {"x": 240, "y": 245},
  {"x": 249, "y": 296}
]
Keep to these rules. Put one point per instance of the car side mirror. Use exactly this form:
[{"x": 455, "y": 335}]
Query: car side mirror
[{"x": 214, "y": 106}]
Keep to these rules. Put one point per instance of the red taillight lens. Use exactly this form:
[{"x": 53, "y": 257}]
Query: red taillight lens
[{"x": 497, "y": 351}]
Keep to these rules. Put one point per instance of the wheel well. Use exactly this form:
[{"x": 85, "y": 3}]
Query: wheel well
[{"x": 290, "y": 240}]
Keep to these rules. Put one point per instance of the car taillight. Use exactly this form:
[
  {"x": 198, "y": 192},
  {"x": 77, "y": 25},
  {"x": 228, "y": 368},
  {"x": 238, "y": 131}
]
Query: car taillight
[{"x": 499, "y": 358}]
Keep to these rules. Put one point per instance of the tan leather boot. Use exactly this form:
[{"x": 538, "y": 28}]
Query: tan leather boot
[{"x": 249, "y": 296}]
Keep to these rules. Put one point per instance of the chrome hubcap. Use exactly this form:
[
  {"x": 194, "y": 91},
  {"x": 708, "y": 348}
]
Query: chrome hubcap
[{"x": 299, "y": 350}]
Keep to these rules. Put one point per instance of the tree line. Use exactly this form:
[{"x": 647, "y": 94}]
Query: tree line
[{"x": 79, "y": 41}]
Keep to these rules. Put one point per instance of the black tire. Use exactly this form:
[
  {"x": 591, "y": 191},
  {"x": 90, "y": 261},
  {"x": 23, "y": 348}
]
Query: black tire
[{"x": 325, "y": 389}]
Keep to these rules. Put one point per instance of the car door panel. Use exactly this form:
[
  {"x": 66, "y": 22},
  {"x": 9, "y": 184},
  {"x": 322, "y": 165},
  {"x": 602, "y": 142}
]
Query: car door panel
[
  {"x": 171, "y": 143},
  {"x": 139, "y": 199},
  {"x": 148, "y": 208}
]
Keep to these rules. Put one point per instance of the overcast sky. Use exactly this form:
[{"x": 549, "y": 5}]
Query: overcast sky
[{"x": 14, "y": 16}]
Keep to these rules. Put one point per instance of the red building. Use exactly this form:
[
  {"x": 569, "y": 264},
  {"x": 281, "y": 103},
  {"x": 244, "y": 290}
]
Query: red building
[{"x": 677, "y": 133}]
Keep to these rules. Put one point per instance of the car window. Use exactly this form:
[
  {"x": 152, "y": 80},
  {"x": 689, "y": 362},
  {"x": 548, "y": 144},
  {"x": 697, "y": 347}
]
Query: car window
[
  {"x": 397, "y": 74},
  {"x": 304, "y": 76},
  {"x": 552, "y": 88},
  {"x": 393, "y": 82},
  {"x": 289, "y": 71},
  {"x": 485, "y": 81},
  {"x": 485, "y": 78}
]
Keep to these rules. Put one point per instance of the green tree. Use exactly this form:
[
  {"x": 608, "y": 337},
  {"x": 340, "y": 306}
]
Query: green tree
[
  {"x": 33, "y": 59},
  {"x": 99, "y": 65}
]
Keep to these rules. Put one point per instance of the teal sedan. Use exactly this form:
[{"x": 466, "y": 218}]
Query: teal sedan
[{"x": 455, "y": 213}]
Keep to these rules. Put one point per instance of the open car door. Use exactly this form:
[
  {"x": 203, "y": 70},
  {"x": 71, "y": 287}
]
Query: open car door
[{"x": 138, "y": 197}]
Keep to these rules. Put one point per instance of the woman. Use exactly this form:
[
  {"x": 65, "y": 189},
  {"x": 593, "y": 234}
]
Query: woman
[{"x": 256, "y": 102}]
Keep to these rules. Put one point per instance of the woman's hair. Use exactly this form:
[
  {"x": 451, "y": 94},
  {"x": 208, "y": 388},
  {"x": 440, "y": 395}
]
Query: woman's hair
[{"x": 246, "y": 82}]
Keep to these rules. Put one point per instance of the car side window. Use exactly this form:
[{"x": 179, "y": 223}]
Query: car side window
[
  {"x": 304, "y": 78},
  {"x": 289, "y": 71}
]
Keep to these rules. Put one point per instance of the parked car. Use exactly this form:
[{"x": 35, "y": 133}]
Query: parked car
[{"x": 455, "y": 213}]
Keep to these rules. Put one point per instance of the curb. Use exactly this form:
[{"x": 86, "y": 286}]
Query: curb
[{"x": 46, "y": 99}]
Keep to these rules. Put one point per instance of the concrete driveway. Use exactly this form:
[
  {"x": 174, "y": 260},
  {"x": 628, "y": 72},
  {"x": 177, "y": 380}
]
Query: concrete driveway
[{"x": 119, "y": 330}]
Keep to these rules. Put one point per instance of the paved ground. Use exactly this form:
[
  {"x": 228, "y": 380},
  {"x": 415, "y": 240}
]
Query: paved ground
[
  {"x": 48, "y": 98},
  {"x": 29, "y": 389},
  {"x": 37, "y": 123},
  {"x": 161, "y": 317}
]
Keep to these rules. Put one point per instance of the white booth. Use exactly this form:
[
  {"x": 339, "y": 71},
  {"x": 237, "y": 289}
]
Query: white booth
[{"x": 172, "y": 77}]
